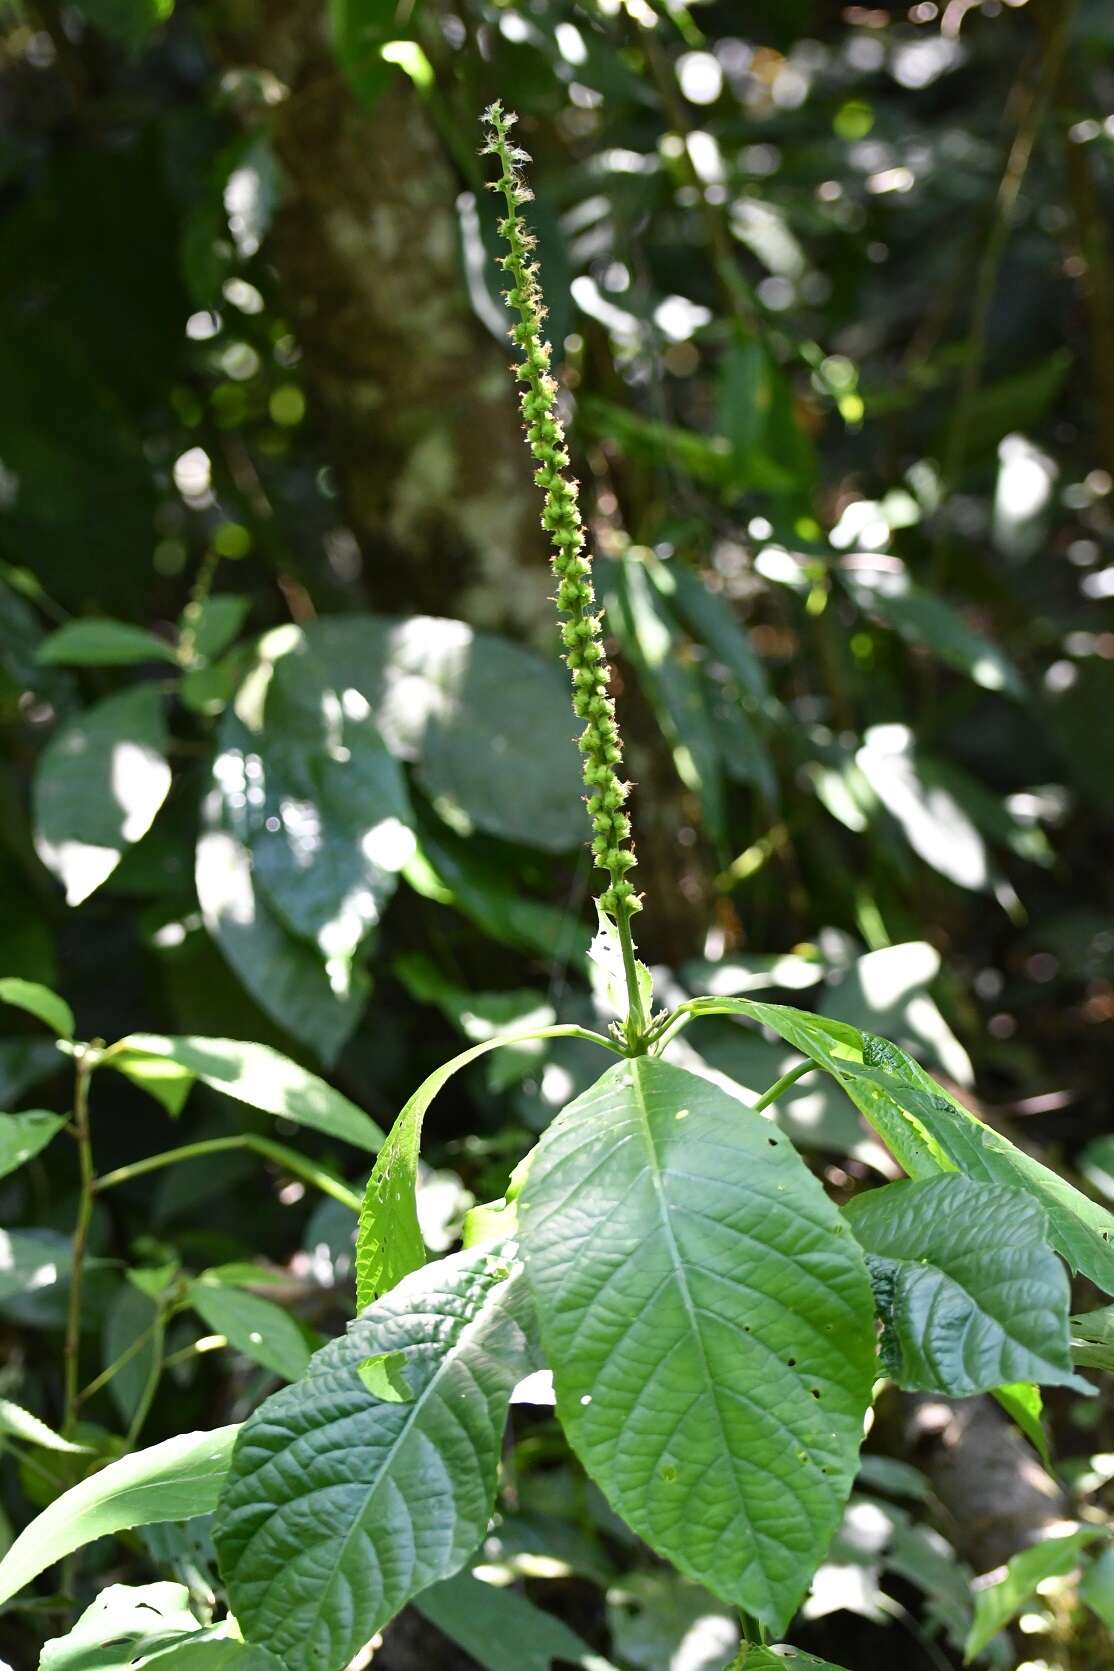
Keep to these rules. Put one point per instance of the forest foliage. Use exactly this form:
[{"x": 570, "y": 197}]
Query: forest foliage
[{"x": 296, "y": 834}]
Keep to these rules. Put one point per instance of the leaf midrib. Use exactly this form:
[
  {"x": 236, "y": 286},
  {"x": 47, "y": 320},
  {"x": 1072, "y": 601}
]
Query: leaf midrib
[
  {"x": 404, "y": 1433},
  {"x": 682, "y": 1280}
]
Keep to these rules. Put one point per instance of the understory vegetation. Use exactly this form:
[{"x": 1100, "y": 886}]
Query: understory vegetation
[{"x": 557, "y": 950}]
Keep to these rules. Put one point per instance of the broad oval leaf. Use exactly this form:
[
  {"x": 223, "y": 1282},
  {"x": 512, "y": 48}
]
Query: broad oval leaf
[
  {"x": 23, "y": 1136},
  {"x": 98, "y": 786},
  {"x": 438, "y": 693},
  {"x": 103, "y": 643},
  {"x": 172, "y": 1481},
  {"x": 970, "y": 1295},
  {"x": 374, "y": 1476},
  {"x": 709, "y": 1324},
  {"x": 255, "y": 1074},
  {"x": 258, "y": 1328}
]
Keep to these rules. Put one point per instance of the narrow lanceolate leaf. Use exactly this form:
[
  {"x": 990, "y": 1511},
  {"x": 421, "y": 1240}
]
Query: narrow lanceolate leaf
[
  {"x": 99, "y": 784},
  {"x": 1001, "y": 1595},
  {"x": 970, "y": 1295},
  {"x": 389, "y": 1245},
  {"x": 172, "y": 1481},
  {"x": 502, "y": 1630},
  {"x": 39, "y": 1001},
  {"x": 103, "y": 643},
  {"x": 709, "y": 1323},
  {"x": 257, "y": 1075},
  {"x": 18, "y": 1423},
  {"x": 929, "y": 1131},
  {"x": 374, "y": 1476},
  {"x": 23, "y": 1135}
]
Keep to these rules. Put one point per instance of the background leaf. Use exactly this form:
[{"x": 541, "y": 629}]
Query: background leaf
[{"x": 98, "y": 787}]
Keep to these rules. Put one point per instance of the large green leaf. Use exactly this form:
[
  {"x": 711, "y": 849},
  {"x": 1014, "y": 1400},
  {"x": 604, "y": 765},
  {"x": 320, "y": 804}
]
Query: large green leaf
[
  {"x": 283, "y": 973},
  {"x": 306, "y": 783},
  {"x": 39, "y": 1001},
  {"x": 257, "y": 1075},
  {"x": 172, "y": 1481},
  {"x": 23, "y": 1136},
  {"x": 98, "y": 786},
  {"x": 374, "y": 1476},
  {"x": 258, "y": 1328},
  {"x": 929, "y": 1131},
  {"x": 487, "y": 723},
  {"x": 970, "y": 1295},
  {"x": 103, "y": 643},
  {"x": 502, "y": 1630},
  {"x": 709, "y": 1324},
  {"x": 389, "y": 1245},
  {"x": 1001, "y": 1595}
]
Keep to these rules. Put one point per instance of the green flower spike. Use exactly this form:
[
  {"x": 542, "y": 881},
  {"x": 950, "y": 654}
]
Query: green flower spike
[{"x": 581, "y": 624}]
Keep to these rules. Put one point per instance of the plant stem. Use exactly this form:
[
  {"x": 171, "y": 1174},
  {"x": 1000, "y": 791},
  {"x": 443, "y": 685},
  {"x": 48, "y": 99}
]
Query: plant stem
[
  {"x": 635, "y": 1027},
  {"x": 782, "y": 1084},
  {"x": 154, "y": 1376},
  {"x": 85, "y": 1060},
  {"x": 106, "y": 1375},
  {"x": 313, "y": 1173}
]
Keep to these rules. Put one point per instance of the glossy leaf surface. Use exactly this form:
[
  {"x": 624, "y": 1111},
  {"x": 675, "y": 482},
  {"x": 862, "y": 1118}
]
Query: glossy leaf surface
[
  {"x": 971, "y": 1296},
  {"x": 374, "y": 1476},
  {"x": 261, "y": 1077},
  {"x": 709, "y": 1325},
  {"x": 172, "y": 1481}
]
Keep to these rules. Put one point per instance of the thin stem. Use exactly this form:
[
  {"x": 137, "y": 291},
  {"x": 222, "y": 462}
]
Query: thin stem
[
  {"x": 106, "y": 1375},
  {"x": 636, "y": 1020},
  {"x": 151, "y": 1386},
  {"x": 783, "y": 1084},
  {"x": 196, "y": 1349},
  {"x": 85, "y": 1060},
  {"x": 1036, "y": 99},
  {"x": 191, "y": 615},
  {"x": 313, "y": 1173}
]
